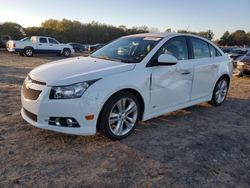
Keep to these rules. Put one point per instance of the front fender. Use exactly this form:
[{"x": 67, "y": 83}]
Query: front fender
[{"x": 103, "y": 89}]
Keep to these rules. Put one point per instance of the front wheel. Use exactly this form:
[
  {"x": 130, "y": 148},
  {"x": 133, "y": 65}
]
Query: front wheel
[
  {"x": 119, "y": 115},
  {"x": 66, "y": 52},
  {"x": 220, "y": 92}
]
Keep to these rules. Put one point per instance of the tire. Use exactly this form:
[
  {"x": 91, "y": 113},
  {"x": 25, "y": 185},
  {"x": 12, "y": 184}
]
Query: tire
[
  {"x": 28, "y": 52},
  {"x": 220, "y": 91},
  {"x": 66, "y": 52},
  {"x": 118, "y": 124},
  {"x": 20, "y": 54}
]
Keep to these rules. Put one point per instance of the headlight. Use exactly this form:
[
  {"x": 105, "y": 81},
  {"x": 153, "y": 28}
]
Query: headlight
[{"x": 70, "y": 91}]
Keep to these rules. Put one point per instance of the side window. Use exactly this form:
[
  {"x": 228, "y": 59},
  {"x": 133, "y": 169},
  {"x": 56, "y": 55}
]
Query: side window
[
  {"x": 200, "y": 48},
  {"x": 52, "y": 41},
  {"x": 43, "y": 40},
  {"x": 212, "y": 51},
  {"x": 176, "y": 47},
  {"x": 218, "y": 53}
]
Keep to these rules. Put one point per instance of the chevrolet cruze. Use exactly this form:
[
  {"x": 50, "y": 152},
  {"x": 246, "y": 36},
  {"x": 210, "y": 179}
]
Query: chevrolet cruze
[{"x": 133, "y": 78}]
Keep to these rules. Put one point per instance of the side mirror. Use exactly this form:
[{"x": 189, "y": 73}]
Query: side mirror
[{"x": 167, "y": 60}]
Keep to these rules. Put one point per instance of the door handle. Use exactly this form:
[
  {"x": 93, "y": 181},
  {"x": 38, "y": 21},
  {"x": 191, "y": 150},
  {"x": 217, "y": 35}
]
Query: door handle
[
  {"x": 185, "y": 72},
  {"x": 40, "y": 44},
  {"x": 50, "y": 45}
]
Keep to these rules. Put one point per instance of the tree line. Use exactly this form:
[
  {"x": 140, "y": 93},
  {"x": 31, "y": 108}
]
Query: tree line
[
  {"x": 239, "y": 38},
  {"x": 90, "y": 33}
]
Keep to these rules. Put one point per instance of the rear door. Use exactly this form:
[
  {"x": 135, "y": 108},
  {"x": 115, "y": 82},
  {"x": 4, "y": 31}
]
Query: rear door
[
  {"x": 54, "y": 46},
  {"x": 42, "y": 45},
  {"x": 206, "y": 67}
]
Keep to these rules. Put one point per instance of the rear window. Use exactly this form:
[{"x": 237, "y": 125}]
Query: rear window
[{"x": 43, "y": 40}]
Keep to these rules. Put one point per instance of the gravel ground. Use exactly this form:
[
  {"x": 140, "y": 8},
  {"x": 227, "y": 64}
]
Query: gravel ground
[{"x": 200, "y": 146}]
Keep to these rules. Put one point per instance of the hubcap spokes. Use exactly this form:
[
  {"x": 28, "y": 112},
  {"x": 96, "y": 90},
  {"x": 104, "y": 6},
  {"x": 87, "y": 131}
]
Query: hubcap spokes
[
  {"x": 123, "y": 116},
  {"x": 29, "y": 52},
  {"x": 221, "y": 91}
]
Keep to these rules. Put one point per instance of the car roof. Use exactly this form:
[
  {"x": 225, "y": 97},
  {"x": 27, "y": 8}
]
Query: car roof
[
  {"x": 43, "y": 37},
  {"x": 165, "y": 34},
  {"x": 161, "y": 35}
]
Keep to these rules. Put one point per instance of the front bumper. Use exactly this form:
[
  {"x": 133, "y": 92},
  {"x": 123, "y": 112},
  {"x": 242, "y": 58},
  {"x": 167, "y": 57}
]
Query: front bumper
[{"x": 43, "y": 108}]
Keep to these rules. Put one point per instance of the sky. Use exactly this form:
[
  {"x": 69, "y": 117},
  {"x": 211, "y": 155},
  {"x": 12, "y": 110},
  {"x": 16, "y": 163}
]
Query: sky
[{"x": 194, "y": 15}]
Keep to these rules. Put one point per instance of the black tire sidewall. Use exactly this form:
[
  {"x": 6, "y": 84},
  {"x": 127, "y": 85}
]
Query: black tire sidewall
[{"x": 103, "y": 120}]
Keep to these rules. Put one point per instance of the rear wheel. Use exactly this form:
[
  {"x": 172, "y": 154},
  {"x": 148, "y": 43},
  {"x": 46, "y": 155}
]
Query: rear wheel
[
  {"x": 28, "y": 52},
  {"x": 66, "y": 52},
  {"x": 220, "y": 92},
  {"x": 119, "y": 115}
]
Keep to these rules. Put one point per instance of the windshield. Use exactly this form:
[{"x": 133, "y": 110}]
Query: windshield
[{"x": 127, "y": 49}]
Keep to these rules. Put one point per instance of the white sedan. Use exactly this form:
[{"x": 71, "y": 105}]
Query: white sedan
[{"x": 134, "y": 78}]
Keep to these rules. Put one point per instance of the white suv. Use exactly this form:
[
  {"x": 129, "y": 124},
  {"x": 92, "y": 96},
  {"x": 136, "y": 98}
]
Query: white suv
[{"x": 133, "y": 78}]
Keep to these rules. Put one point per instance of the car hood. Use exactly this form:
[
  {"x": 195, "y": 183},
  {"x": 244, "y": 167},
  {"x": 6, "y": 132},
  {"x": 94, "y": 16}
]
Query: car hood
[{"x": 78, "y": 69}]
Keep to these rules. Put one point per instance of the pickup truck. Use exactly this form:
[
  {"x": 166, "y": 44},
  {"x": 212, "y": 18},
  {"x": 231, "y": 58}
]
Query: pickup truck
[{"x": 39, "y": 44}]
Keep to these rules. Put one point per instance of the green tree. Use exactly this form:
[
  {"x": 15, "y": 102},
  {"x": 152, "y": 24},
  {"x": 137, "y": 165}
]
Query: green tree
[
  {"x": 224, "y": 39},
  {"x": 239, "y": 38},
  {"x": 14, "y": 30},
  {"x": 206, "y": 34},
  {"x": 168, "y": 30}
]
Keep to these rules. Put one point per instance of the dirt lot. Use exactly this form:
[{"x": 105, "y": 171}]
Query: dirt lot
[{"x": 200, "y": 146}]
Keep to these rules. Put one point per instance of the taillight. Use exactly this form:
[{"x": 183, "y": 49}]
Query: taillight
[{"x": 14, "y": 45}]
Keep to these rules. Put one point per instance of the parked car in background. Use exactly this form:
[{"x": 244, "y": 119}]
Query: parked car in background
[
  {"x": 95, "y": 47},
  {"x": 226, "y": 49},
  {"x": 243, "y": 64},
  {"x": 78, "y": 47},
  {"x": 3, "y": 40},
  {"x": 236, "y": 53},
  {"x": 114, "y": 88},
  {"x": 39, "y": 45}
]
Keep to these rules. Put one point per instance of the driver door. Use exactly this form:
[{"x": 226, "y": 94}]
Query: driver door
[{"x": 171, "y": 85}]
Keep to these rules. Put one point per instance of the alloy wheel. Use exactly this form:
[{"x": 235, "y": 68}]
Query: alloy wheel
[
  {"x": 221, "y": 91},
  {"x": 123, "y": 116}
]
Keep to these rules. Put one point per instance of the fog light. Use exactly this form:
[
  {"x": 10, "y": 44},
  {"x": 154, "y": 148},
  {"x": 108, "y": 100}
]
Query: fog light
[
  {"x": 57, "y": 121},
  {"x": 64, "y": 122},
  {"x": 69, "y": 122}
]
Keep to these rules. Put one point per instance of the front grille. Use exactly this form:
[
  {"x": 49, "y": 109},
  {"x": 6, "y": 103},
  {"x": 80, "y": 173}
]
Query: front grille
[
  {"x": 36, "y": 81},
  {"x": 30, "y": 115},
  {"x": 29, "y": 93}
]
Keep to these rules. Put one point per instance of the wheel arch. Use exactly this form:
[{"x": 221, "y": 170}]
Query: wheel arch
[
  {"x": 28, "y": 47},
  {"x": 134, "y": 92}
]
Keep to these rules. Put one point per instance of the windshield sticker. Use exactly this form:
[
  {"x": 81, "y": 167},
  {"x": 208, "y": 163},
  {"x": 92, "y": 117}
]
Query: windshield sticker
[{"x": 152, "y": 38}]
